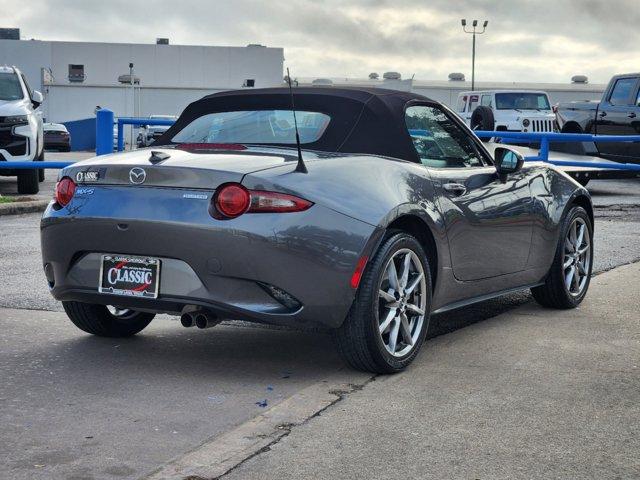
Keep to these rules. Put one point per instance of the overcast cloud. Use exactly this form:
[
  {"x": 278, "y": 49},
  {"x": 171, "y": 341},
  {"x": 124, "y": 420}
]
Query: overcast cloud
[{"x": 541, "y": 40}]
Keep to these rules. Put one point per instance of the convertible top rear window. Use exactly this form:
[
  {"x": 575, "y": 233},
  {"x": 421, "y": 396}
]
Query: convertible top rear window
[{"x": 254, "y": 126}]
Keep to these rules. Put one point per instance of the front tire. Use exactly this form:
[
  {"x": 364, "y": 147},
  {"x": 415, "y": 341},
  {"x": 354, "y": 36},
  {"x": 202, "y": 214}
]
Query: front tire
[
  {"x": 570, "y": 274},
  {"x": 41, "y": 170},
  {"x": 106, "y": 321},
  {"x": 388, "y": 321}
]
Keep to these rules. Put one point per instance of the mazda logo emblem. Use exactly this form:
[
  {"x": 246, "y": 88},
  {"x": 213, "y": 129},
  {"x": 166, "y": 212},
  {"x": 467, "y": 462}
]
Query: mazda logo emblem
[{"x": 137, "y": 175}]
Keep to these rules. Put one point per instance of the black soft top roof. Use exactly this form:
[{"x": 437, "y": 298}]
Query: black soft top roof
[{"x": 363, "y": 120}]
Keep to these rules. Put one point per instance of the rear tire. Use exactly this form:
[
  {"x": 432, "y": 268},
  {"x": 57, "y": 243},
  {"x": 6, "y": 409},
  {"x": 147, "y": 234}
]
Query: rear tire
[
  {"x": 359, "y": 339},
  {"x": 28, "y": 181},
  {"x": 98, "y": 320},
  {"x": 561, "y": 289}
]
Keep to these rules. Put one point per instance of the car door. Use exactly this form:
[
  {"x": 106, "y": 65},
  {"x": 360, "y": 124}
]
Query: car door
[
  {"x": 488, "y": 218},
  {"x": 633, "y": 148},
  {"x": 618, "y": 115}
]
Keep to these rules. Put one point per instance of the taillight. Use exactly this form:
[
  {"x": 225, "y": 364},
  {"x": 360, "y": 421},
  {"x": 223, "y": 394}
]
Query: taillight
[
  {"x": 65, "y": 189},
  {"x": 274, "y": 202},
  {"x": 232, "y": 200}
]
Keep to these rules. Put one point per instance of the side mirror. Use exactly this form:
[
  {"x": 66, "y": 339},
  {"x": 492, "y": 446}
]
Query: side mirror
[
  {"x": 507, "y": 160},
  {"x": 36, "y": 98}
]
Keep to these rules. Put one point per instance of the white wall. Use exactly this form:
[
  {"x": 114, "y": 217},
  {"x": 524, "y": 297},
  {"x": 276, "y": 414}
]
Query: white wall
[
  {"x": 171, "y": 75},
  {"x": 73, "y": 103}
]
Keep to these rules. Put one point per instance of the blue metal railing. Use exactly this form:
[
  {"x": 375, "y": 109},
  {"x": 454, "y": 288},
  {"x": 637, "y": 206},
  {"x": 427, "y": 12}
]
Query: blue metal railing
[
  {"x": 122, "y": 121},
  {"x": 545, "y": 138}
]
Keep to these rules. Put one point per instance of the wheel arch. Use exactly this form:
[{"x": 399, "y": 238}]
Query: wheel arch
[
  {"x": 418, "y": 228},
  {"x": 582, "y": 200},
  {"x": 572, "y": 127}
]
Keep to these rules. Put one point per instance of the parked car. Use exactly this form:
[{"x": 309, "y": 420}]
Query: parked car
[
  {"x": 150, "y": 133},
  {"x": 617, "y": 113},
  {"x": 508, "y": 110},
  {"x": 56, "y": 137},
  {"x": 21, "y": 133},
  {"x": 390, "y": 211}
]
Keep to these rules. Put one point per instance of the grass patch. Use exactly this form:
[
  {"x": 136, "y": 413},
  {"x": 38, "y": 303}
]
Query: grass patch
[{"x": 15, "y": 199}]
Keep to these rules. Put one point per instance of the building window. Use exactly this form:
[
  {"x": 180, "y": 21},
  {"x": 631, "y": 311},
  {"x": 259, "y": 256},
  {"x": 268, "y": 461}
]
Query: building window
[{"x": 76, "y": 73}]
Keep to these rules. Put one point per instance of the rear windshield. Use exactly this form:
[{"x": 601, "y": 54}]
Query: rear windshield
[
  {"x": 55, "y": 128},
  {"x": 255, "y": 126},
  {"x": 10, "y": 88},
  {"x": 522, "y": 101}
]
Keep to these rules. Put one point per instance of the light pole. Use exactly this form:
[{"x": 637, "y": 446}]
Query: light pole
[{"x": 473, "y": 48}]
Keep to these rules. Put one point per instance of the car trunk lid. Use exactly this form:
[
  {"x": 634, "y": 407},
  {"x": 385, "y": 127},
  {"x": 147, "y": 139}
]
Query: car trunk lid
[{"x": 177, "y": 168}]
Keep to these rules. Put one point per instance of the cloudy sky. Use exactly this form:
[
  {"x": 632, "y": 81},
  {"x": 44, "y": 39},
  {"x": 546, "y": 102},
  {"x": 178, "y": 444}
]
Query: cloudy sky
[{"x": 541, "y": 40}]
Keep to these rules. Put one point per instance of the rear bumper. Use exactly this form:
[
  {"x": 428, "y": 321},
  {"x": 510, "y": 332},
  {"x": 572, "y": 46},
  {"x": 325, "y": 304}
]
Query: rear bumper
[
  {"x": 64, "y": 144},
  {"x": 219, "y": 266}
]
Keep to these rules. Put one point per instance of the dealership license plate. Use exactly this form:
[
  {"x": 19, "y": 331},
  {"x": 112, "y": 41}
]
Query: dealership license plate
[{"x": 130, "y": 276}]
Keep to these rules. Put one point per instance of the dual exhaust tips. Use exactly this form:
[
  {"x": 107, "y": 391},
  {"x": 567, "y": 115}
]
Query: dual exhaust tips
[{"x": 199, "y": 318}]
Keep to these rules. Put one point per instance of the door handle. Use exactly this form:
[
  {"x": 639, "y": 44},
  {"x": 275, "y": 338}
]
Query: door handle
[
  {"x": 456, "y": 188},
  {"x": 632, "y": 115},
  {"x": 603, "y": 114}
]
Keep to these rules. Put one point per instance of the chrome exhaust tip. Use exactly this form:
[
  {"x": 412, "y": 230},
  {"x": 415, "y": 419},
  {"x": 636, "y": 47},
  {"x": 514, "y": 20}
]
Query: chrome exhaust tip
[
  {"x": 206, "y": 319},
  {"x": 187, "y": 320}
]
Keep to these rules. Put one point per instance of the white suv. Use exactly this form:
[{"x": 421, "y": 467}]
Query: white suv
[
  {"x": 508, "y": 110},
  {"x": 21, "y": 132}
]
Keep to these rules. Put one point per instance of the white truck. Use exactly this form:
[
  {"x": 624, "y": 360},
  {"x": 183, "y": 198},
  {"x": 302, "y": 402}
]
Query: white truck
[
  {"x": 507, "y": 110},
  {"x": 21, "y": 128}
]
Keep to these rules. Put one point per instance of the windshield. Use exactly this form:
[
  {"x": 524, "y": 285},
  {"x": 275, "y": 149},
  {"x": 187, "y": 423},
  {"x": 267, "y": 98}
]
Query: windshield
[
  {"x": 256, "y": 126},
  {"x": 522, "y": 101},
  {"x": 10, "y": 88}
]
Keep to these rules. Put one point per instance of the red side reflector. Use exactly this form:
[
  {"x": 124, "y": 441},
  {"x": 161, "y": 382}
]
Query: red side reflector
[{"x": 357, "y": 273}]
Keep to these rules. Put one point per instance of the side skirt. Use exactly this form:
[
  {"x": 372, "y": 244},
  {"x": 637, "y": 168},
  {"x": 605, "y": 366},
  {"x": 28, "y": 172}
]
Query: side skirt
[{"x": 482, "y": 298}]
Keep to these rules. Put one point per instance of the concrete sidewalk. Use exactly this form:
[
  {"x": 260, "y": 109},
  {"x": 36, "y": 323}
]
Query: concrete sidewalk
[{"x": 532, "y": 393}]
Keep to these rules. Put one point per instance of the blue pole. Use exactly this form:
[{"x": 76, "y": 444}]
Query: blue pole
[
  {"x": 104, "y": 131},
  {"x": 544, "y": 149},
  {"x": 120, "y": 135}
]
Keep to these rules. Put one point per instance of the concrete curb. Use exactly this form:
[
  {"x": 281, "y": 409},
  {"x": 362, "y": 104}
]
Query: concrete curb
[
  {"x": 224, "y": 453},
  {"x": 17, "y": 208}
]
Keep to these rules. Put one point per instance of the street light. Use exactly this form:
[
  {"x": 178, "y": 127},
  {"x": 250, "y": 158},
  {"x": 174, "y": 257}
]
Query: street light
[{"x": 473, "y": 50}]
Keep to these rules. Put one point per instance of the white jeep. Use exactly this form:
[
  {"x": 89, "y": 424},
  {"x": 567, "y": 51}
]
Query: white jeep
[
  {"x": 21, "y": 130},
  {"x": 507, "y": 110}
]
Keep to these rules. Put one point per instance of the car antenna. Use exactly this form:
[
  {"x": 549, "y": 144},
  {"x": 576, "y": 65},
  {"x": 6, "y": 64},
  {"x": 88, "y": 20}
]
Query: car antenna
[{"x": 301, "y": 167}]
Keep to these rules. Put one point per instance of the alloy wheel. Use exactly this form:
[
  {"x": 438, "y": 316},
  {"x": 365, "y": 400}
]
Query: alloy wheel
[
  {"x": 402, "y": 301},
  {"x": 577, "y": 257}
]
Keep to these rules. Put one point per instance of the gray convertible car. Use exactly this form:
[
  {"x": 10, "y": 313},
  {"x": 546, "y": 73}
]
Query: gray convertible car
[{"x": 391, "y": 211}]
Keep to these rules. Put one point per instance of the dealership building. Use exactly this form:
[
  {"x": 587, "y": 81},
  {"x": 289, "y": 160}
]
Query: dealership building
[{"x": 75, "y": 77}]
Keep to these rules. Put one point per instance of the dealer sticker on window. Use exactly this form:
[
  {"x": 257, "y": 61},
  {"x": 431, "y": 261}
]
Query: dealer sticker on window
[{"x": 129, "y": 276}]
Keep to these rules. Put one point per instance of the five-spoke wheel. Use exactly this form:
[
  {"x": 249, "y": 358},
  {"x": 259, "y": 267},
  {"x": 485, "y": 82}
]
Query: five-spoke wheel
[
  {"x": 568, "y": 279},
  {"x": 402, "y": 296},
  {"x": 388, "y": 321},
  {"x": 577, "y": 256}
]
